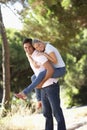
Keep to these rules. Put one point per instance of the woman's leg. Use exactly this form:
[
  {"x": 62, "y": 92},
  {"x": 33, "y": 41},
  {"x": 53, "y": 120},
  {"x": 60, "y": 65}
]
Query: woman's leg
[
  {"x": 35, "y": 82},
  {"x": 59, "y": 72},
  {"x": 33, "y": 77},
  {"x": 37, "y": 91}
]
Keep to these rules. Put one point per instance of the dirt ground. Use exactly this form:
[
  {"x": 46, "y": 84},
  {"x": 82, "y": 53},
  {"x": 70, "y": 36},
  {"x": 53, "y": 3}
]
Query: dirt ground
[{"x": 76, "y": 118}]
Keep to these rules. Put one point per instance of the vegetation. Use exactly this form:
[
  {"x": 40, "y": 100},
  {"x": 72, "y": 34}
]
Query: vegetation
[{"x": 64, "y": 24}]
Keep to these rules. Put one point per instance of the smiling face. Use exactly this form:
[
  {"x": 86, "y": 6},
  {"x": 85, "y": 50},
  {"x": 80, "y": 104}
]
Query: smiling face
[
  {"x": 28, "y": 48},
  {"x": 39, "y": 46}
]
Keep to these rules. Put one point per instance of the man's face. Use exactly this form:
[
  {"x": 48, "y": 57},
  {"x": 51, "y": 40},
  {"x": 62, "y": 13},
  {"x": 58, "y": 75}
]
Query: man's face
[{"x": 28, "y": 48}]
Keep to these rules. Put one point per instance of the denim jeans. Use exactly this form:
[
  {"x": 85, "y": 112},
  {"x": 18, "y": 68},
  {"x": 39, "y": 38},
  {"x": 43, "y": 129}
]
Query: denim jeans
[
  {"x": 50, "y": 98},
  {"x": 58, "y": 72},
  {"x": 35, "y": 82}
]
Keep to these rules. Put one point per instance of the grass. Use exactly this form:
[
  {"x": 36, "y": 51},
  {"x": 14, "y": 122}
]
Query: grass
[
  {"x": 21, "y": 121},
  {"x": 20, "y": 118}
]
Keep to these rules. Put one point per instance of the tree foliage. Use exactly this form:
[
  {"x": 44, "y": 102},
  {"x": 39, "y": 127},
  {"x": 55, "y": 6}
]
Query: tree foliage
[
  {"x": 64, "y": 24},
  {"x": 76, "y": 77},
  {"x": 57, "y": 21}
]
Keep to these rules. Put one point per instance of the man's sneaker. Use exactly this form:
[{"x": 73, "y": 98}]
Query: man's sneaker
[{"x": 21, "y": 96}]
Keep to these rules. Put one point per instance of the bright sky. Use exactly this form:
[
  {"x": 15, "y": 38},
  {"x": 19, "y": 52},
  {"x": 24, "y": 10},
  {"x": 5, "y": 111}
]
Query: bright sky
[{"x": 10, "y": 19}]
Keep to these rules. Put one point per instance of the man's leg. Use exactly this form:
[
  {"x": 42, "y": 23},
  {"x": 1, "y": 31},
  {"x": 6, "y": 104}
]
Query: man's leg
[
  {"x": 54, "y": 99},
  {"x": 47, "y": 112}
]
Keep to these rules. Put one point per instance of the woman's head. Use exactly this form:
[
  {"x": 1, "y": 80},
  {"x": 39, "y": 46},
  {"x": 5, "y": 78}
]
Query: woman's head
[{"x": 38, "y": 45}]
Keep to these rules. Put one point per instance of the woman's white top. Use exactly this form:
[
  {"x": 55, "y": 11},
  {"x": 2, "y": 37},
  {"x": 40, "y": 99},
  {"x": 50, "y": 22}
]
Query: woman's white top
[{"x": 48, "y": 49}]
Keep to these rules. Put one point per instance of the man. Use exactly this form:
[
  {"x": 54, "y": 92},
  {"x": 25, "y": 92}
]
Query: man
[{"x": 49, "y": 88}]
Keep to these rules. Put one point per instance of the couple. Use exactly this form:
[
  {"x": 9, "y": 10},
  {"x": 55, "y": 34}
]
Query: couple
[{"x": 47, "y": 64}]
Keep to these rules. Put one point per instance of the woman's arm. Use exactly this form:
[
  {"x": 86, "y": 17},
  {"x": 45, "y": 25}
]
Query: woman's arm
[{"x": 51, "y": 56}]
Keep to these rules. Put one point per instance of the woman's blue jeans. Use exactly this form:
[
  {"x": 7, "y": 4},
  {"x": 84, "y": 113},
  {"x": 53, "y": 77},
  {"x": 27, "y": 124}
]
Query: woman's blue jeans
[
  {"x": 50, "y": 97},
  {"x": 58, "y": 72}
]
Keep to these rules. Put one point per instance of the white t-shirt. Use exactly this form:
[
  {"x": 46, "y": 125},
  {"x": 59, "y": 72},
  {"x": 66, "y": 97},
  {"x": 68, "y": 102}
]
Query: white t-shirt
[
  {"x": 40, "y": 59},
  {"x": 48, "y": 49}
]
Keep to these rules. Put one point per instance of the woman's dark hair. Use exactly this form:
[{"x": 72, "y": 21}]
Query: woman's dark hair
[{"x": 27, "y": 40}]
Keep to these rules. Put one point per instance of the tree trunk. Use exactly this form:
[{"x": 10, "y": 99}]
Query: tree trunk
[{"x": 5, "y": 65}]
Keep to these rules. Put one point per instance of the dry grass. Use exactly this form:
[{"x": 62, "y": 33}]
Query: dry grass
[
  {"x": 20, "y": 118},
  {"x": 19, "y": 122}
]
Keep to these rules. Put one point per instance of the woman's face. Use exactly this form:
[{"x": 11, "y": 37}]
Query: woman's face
[{"x": 39, "y": 46}]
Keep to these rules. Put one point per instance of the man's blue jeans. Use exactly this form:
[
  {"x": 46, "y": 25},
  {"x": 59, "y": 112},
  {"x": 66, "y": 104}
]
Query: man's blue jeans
[
  {"x": 50, "y": 97},
  {"x": 58, "y": 72}
]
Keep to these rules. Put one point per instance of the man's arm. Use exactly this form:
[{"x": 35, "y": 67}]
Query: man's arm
[{"x": 49, "y": 73}]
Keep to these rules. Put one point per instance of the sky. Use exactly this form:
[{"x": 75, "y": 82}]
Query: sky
[{"x": 10, "y": 19}]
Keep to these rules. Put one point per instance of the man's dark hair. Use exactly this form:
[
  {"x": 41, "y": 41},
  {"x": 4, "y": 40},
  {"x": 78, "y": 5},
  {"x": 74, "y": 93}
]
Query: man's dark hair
[{"x": 27, "y": 40}]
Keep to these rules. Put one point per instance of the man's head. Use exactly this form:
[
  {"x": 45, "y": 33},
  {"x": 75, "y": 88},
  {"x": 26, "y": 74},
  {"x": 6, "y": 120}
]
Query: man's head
[
  {"x": 27, "y": 44},
  {"x": 27, "y": 40}
]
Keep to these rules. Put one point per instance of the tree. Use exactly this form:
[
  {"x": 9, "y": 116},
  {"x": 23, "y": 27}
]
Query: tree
[
  {"x": 5, "y": 64},
  {"x": 76, "y": 77},
  {"x": 54, "y": 20},
  {"x": 5, "y": 58}
]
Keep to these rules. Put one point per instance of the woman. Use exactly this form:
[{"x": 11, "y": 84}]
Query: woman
[{"x": 53, "y": 56}]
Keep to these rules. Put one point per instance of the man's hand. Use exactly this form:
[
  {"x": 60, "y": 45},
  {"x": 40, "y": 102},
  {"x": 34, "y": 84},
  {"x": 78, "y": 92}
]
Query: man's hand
[{"x": 39, "y": 105}]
